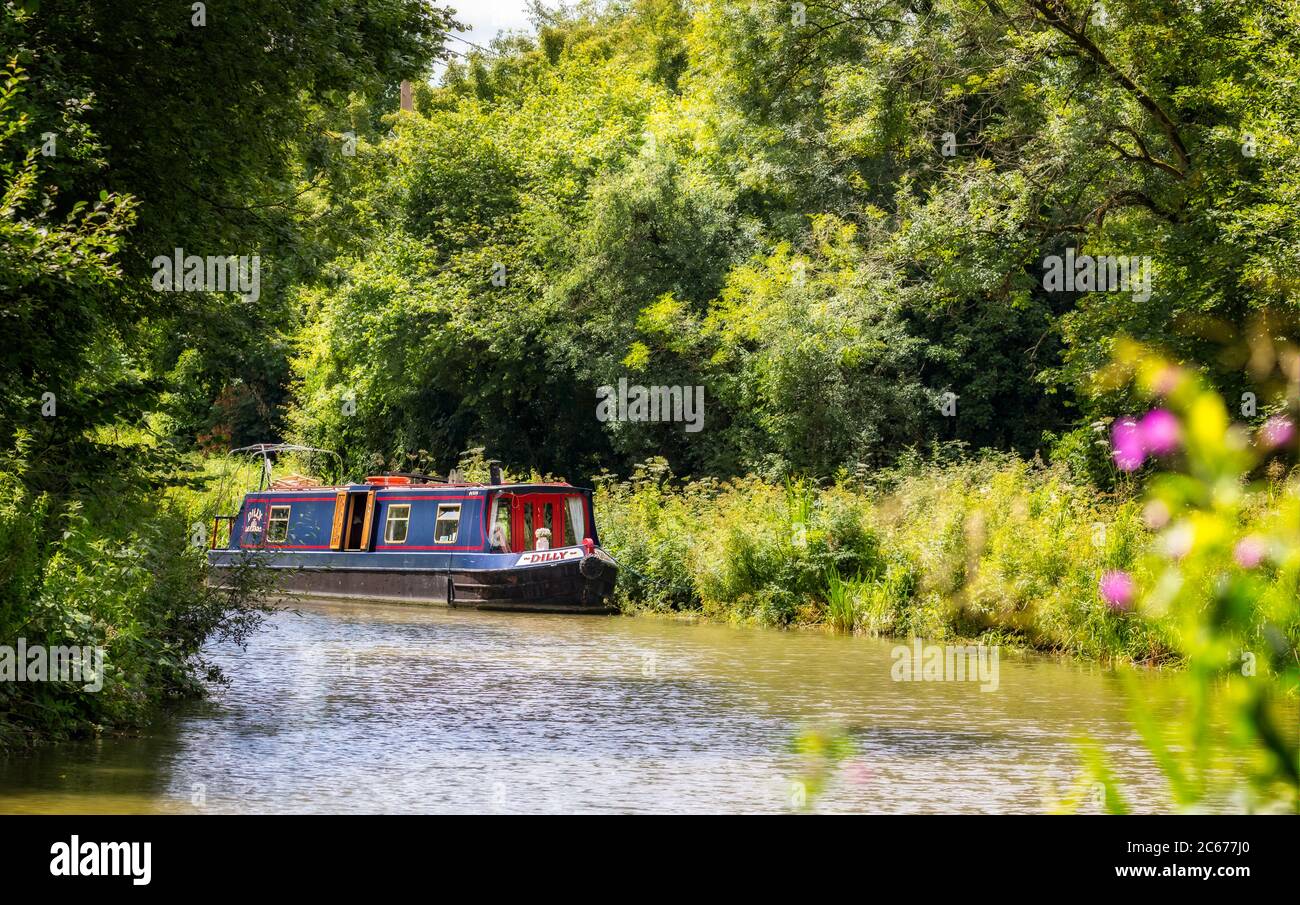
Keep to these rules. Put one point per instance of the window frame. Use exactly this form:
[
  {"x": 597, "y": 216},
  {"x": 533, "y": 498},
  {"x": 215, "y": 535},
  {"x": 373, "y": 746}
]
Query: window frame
[
  {"x": 437, "y": 517},
  {"x": 271, "y": 521},
  {"x": 575, "y": 504},
  {"x": 507, "y": 524},
  {"x": 390, "y": 521}
]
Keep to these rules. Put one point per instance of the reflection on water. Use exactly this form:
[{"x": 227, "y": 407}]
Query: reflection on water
[{"x": 401, "y": 709}]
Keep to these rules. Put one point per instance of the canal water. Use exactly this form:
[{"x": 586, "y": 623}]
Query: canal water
[{"x": 377, "y": 708}]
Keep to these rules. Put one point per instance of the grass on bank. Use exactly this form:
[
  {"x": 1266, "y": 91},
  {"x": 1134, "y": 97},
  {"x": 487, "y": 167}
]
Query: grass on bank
[{"x": 994, "y": 547}]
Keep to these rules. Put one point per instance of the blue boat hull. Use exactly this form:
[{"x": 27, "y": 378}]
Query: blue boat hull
[{"x": 486, "y": 581}]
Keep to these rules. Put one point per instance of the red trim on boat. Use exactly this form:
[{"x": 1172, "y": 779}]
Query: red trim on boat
[
  {"x": 388, "y": 499},
  {"x": 448, "y": 547}
]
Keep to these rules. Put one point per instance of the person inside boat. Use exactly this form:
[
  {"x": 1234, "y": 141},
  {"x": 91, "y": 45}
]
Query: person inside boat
[
  {"x": 543, "y": 539},
  {"x": 497, "y": 540}
]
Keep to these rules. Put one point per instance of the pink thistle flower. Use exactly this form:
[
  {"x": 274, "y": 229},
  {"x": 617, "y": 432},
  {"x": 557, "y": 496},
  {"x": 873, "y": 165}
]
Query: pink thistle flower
[
  {"x": 1127, "y": 447},
  {"x": 1250, "y": 551},
  {"x": 1159, "y": 432},
  {"x": 1277, "y": 431},
  {"x": 1118, "y": 590}
]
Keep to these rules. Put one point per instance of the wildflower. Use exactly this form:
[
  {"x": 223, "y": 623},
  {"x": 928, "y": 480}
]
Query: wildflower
[
  {"x": 1159, "y": 432},
  {"x": 1167, "y": 380},
  {"x": 1250, "y": 551},
  {"x": 1117, "y": 589},
  {"x": 1126, "y": 441},
  {"x": 1277, "y": 431}
]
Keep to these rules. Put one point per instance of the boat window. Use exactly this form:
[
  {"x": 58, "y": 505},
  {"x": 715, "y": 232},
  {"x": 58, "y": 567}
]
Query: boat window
[
  {"x": 399, "y": 517},
  {"x": 501, "y": 517},
  {"x": 447, "y": 525},
  {"x": 574, "y": 527},
  {"x": 277, "y": 526}
]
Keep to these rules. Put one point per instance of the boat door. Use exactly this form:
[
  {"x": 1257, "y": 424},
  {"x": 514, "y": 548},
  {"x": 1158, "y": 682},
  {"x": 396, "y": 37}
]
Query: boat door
[
  {"x": 533, "y": 511},
  {"x": 354, "y": 513}
]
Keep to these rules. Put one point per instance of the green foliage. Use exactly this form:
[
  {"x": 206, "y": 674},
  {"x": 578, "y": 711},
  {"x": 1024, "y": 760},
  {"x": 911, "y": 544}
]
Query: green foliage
[
  {"x": 127, "y": 131},
  {"x": 991, "y": 547},
  {"x": 220, "y": 139},
  {"x": 826, "y": 225},
  {"x": 841, "y": 603},
  {"x": 125, "y": 577},
  {"x": 1223, "y": 573}
]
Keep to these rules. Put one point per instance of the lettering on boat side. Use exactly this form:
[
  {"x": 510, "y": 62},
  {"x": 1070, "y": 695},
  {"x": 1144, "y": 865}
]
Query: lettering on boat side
[
  {"x": 538, "y": 557},
  {"x": 102, "y": 859}
]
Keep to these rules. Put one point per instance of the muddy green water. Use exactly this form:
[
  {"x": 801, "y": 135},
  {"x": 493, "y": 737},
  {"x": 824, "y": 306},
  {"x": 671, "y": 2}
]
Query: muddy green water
[{"x": 374, "y": 708}]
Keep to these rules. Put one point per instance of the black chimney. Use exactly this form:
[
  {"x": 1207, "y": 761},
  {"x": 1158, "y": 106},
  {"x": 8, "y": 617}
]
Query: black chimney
[{"x": 495, "y": 470}]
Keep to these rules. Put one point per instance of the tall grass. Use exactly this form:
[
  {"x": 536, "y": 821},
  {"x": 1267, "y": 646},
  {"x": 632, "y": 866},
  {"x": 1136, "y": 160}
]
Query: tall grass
[
  {"x": 991, "y": 547},
  {"x": 841, "y": 602}
]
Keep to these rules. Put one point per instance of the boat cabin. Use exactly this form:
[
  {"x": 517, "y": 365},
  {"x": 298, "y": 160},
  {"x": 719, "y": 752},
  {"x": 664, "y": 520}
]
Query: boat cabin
[{"x": 394, "y": 514}]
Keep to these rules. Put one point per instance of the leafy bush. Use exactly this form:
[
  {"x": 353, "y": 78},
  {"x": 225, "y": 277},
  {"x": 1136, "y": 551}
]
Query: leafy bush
[{"x": 126, "y": 577}]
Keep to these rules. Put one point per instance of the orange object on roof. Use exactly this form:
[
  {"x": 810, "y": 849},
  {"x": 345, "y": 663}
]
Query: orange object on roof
[{"x": 388, "y": 480}]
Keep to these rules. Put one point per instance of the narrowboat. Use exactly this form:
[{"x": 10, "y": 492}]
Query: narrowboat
[{"x": 422, "y": 539}]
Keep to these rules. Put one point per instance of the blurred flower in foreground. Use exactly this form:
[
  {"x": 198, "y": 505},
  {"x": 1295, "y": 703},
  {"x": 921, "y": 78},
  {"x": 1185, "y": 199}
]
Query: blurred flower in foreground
[
  {"x": 1167, "y": 380},
  {"x": 1250, "y": 551},
  {"x": 1126, "y": 440},
  {"x": 1159, "y": 432},
  {"x": 821, "y": 753},
  {"x": 1220, "y": 582},
  {"x": 1155, "y": 514},
  {"x": 1177, "y": 541},
  {"x": 1277, "y": 431},
  {"x": 1117, "y": 589}
]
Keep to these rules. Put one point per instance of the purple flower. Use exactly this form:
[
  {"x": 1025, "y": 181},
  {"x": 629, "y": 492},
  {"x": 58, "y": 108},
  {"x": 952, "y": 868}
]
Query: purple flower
[
  {"x": 1118, "y": 590},
  {"x": 1126, "y": 442},
  {"x": 1250, "y": 551},
  {"x": 1277, "y": 431},
  {"x": 1159, "y": 432}
]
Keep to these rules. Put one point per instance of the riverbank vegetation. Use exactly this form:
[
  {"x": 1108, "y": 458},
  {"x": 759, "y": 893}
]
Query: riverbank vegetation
[
  {"x": 837, "y": 219},
  {"x": 127, "y": 131},
  {"x": 990, "y": 547},
  {"x": 993, "y": 545}
]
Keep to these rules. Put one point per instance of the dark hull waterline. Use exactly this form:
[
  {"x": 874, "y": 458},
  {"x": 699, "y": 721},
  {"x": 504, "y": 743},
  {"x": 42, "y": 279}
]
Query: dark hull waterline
[{"x": 572, "y": 586}]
